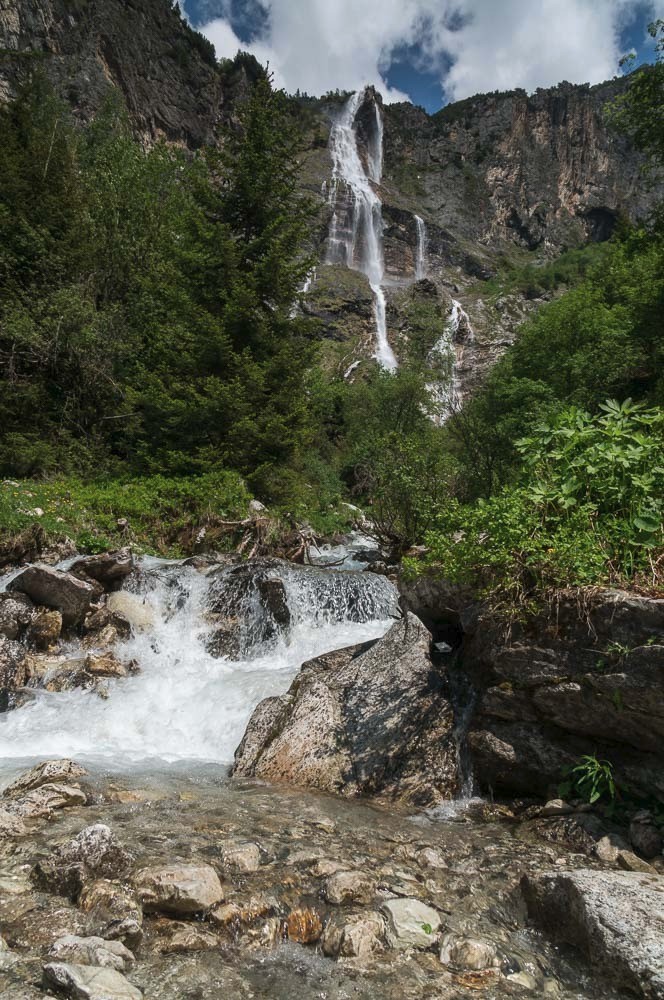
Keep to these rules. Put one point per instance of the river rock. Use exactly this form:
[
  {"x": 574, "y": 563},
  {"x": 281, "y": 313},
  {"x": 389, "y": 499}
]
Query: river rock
[
  {"x": 645, "y": 835},
  {"x": 86, "y": 982},
  {"x": 349, "y": 887},
  {"x": 94, "y": 853},
  {"x": 181, "y": 938},
  {"x": 55, "y": 589},
  {"x": 44, "y": 629},
  {"x": 410, "y": 923},
  {"x": 471, "y": 954},
  {"x": 244, "y": 857},
  {"x": 304, "y": 926},
  {"x": 49, "y": 772},
  {"x": 615, "y": 918},
  {"x": 370, "y": 721},
  {"x": 11, "y": 825},
  {"x": 114, "y": 912},
  {"x": 183, "y": 889},
  {"x": 12, "y": 671},
  {"x": 16, "y": 613},
  {"x": 105, "y": 665},
  {"x": 43, "y": 801},
  {"x": 132, "y": 608},
  {"x": 92, "y": 951},
  {"x": 104, "y": 626},
  {"x": 108, "y": 568},
  {"x": 356, "y": 936}
]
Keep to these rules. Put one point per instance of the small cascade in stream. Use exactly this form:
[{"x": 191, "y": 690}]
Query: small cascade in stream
[
  {"x": 356, "y": 229},
  {"x": 447, "y": 392},
  {"x": 187, "y": 704},
  {"x": 421, "y": 250}
]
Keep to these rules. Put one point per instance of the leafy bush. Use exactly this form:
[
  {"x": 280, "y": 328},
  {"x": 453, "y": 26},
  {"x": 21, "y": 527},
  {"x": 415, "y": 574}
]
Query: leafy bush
[{"x": 588, "y": 509}]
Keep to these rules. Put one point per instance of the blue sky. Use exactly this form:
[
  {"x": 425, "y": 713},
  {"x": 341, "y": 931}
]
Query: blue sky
[{"x": 430, "y": 51}]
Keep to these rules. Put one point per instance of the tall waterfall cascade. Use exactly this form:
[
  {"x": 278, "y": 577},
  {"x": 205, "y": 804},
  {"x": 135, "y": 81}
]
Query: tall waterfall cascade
[
  {"x": 421, "y": 249},
  {"x": 356, "y": 229},
  {"x": 447, "y": 393}
]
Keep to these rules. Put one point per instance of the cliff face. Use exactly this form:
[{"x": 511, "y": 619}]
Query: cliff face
[
  {"x": 535, "y": 170},
  {"x": 166, "y": 73}
]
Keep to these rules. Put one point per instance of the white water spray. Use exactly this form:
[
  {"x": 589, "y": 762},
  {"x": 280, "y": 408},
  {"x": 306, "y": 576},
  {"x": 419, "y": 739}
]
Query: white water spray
[
  {"x": 421, "y": 250},
  {"x": 356, "y": 230},
  {"x": 447, "y": 393},
  {"x": 186, "y": 704}
]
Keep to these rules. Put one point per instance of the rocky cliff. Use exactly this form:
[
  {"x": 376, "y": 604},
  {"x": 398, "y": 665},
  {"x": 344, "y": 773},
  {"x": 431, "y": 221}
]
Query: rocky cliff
[{"x": 166, "y": 72}]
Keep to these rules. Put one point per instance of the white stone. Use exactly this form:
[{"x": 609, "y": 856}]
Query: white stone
[
  {"x": 410, "y": 923},
  {"x": 89, "y": 982}
]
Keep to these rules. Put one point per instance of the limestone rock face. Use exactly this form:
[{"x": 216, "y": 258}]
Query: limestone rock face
[
  {"x": 587, "y": 679},
  {"x": 180, "y": 889},
  {"x": 373, "y": 722},
  {"x": 615, "y": 918},
  {"x": 55, "y": 589}
]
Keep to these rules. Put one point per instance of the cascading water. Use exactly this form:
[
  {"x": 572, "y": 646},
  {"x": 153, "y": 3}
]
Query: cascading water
[
  {"x": 446, "y": 392},
  {"x": 356, "y": 230},
  {"x": 421, "y": 249},
  {"x": 186, "y": 704}
]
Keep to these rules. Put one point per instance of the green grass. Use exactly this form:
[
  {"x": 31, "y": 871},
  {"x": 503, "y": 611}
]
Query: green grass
[{"x": 163, "y": 514}]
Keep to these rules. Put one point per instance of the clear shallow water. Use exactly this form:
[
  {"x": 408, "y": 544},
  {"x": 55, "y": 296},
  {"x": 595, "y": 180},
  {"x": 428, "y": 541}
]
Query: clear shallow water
[{"x": 186, "y": 704}]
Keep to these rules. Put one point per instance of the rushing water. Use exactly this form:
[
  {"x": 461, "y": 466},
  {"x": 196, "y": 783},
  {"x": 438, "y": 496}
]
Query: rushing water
[
  {"x": 421, "y": 249},
  {"x": 186, "y": 704},
  {"x": 446, "y": 392},
  {"x": 356, "y": 229}
]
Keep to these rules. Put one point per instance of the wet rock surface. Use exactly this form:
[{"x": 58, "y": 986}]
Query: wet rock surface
[
  {"x": 615, "y": 918},
  {"x": 417, "y": 928},
  {"x": 374, "y": 722}
]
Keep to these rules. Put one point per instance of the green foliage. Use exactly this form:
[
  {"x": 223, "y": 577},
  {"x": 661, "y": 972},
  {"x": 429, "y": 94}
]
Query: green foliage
[
  {"x": 535, "y": 280},
  {"x": 639, "y": 112},
  {"x": 163, "y": 513},
  {"x": 587, "y": 508},
  {"x": 591, "y": 780},
  {"x": 146, "y": 299}
]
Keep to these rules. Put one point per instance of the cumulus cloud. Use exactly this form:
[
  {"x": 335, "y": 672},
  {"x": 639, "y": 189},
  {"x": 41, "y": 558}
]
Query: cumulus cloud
[{"x": 474, "y": 45}]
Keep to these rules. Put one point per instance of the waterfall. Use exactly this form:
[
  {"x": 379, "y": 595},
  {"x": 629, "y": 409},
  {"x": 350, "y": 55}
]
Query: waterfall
[
  {"x": 187, "y": 703},
  {"x": 447, "y": 394},
  {"x": 356, "y": 229},
  {"x": 421, "y": 252}
]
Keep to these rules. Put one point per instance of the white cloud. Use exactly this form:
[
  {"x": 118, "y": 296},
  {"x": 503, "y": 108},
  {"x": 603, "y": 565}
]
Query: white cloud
[{"x": 325, "y": 44}]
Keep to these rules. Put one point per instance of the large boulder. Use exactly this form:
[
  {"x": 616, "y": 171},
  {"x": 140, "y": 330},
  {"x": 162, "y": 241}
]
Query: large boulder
[
  {"x": 615, "y": 918},
  {"x": 55, "y": 589},
  {"x": 368, "y": 721},
  {"x": 48, "y": 773},
  {"x": 16, "y": 613}
]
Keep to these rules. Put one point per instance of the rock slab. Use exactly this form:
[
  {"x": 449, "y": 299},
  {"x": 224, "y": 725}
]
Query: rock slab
[{"x": 615, "y": 918}]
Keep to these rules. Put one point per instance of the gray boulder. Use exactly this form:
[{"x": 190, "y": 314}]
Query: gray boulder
[
  {"x": 92, "y": 951},
  {"x": 87, "y": 982},
  {"x": 55, "y": 589},
  {"x": 615, "y": 918},
  {"x": 109, "y": 569},
  {"x": 49, "y": 773},
  {"x": 183, "y": 889},
  {"x": 16, "y": 613},
  {"x": 367, "y": 720},
  {"x": 12, "y": 672}
]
